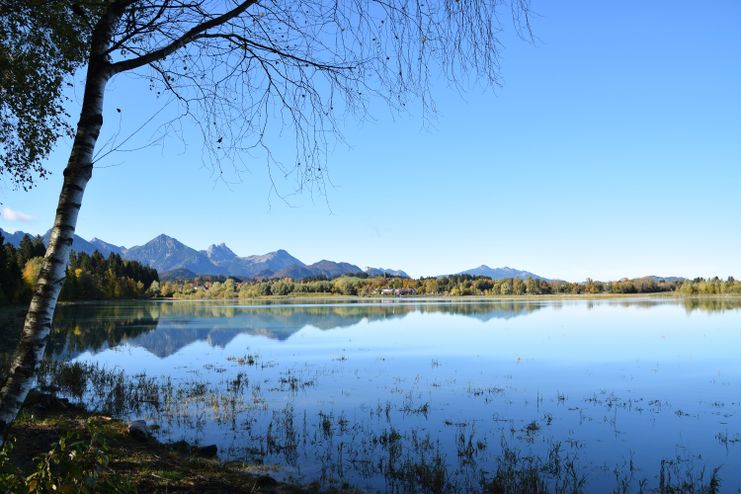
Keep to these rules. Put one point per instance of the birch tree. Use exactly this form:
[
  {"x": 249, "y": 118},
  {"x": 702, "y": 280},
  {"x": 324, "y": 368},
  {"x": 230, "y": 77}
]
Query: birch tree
[{"x": 237, "y": 68}]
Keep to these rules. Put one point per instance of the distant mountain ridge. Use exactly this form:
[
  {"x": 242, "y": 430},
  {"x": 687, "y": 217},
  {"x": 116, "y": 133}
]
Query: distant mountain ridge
[
  {"x": 104, "y": 247},
  {"x": 175, "y": 260},
  {"x": 668, "y": 279},
  {"x": 12, "y": 238},
  {"x": 167, "y": 253},
  {"x": 502, "y": 273},
  {"x": 385, "y": 272},
  {"x": 331, "y": 269}
]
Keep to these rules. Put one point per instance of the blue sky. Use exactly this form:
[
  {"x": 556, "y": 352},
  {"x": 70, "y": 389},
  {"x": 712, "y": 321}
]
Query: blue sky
[{"x": 612, "y": 148}]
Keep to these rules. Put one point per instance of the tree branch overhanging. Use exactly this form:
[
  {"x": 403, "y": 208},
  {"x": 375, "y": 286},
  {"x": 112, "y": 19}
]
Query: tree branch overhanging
[
  {"x": 190, "y": 35},
  {"x": 242, "y": 42}
]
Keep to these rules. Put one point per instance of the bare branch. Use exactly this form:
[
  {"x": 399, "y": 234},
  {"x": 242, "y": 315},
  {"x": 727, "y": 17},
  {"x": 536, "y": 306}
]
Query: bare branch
[{"x": 189, "y": 36}]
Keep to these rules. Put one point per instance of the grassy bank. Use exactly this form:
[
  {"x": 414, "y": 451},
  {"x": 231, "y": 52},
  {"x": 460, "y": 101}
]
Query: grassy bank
[{"x": 58, "y": 447}]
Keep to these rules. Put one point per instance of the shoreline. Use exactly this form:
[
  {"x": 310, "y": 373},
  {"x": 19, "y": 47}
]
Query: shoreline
[
  {"x": 133, "y": 462},
  {"x": 444, "y": 298},
  {"x": 408, "y": 298}
]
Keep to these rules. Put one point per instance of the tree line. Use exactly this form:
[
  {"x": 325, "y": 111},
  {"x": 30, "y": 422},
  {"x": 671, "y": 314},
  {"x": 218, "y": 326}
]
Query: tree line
[
  {"x": 449, "y": 286},
  {"x": 89, "y": 276}
]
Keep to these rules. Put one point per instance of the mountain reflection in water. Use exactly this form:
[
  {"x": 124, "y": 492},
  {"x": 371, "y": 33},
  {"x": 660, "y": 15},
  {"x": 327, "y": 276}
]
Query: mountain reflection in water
[{"x": 164, "y": 327}]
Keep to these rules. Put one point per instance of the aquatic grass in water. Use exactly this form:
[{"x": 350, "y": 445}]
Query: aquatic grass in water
[{"x": 408, "y": 463}]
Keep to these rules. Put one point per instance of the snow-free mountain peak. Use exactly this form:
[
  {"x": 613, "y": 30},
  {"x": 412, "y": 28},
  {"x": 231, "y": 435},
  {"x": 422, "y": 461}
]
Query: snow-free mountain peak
[
  {"x": 501, "y": 273},
  {"x": 220, "y": 253},
  {"x": 105, "y": 248},
  {"x": 385, "y": 272},
  {"x": 332, "y": 269},
  {"x": 167, "y": 254}
]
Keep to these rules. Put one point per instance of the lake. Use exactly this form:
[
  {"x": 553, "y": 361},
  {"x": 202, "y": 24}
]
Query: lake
[{"x": 425, "y": 395}]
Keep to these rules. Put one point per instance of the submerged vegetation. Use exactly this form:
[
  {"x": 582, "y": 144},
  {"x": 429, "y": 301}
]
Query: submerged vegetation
[{"x": 89, "y": 452}]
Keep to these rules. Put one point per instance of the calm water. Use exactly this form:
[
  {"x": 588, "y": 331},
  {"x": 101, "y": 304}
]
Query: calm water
[{"x": 387, "y": 394}]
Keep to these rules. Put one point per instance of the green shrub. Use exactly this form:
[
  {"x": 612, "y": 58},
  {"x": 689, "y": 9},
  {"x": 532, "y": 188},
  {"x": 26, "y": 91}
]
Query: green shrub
[{"x": 76, "y": 463}]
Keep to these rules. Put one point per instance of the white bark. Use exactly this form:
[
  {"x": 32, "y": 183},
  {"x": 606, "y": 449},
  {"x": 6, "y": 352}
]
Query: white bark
[{"x": 30, "y": 351}]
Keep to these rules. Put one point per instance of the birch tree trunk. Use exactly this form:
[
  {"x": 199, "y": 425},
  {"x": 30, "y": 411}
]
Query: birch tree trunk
[{"x": 30, "y": 351}]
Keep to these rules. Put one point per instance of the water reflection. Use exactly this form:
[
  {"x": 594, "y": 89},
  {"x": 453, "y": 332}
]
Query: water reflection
[
  {"x": 93, "y": 327},
  {"x": 163, "y": 328},
  {"x": 425, "y": 395}
]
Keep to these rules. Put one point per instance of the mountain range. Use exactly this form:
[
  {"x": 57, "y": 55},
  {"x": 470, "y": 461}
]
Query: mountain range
[
  {"x": 173, "y": 259},
  {"x": 501, "y": 273}
]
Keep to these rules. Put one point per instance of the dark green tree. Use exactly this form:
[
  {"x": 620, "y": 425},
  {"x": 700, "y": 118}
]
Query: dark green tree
[
  {"x": 28, "y": 249},
  {"x": 4, "y": 276}
]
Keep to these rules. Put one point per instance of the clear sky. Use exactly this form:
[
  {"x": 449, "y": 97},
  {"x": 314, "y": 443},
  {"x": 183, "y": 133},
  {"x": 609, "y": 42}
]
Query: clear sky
[{"x": 612, "y": 148}]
